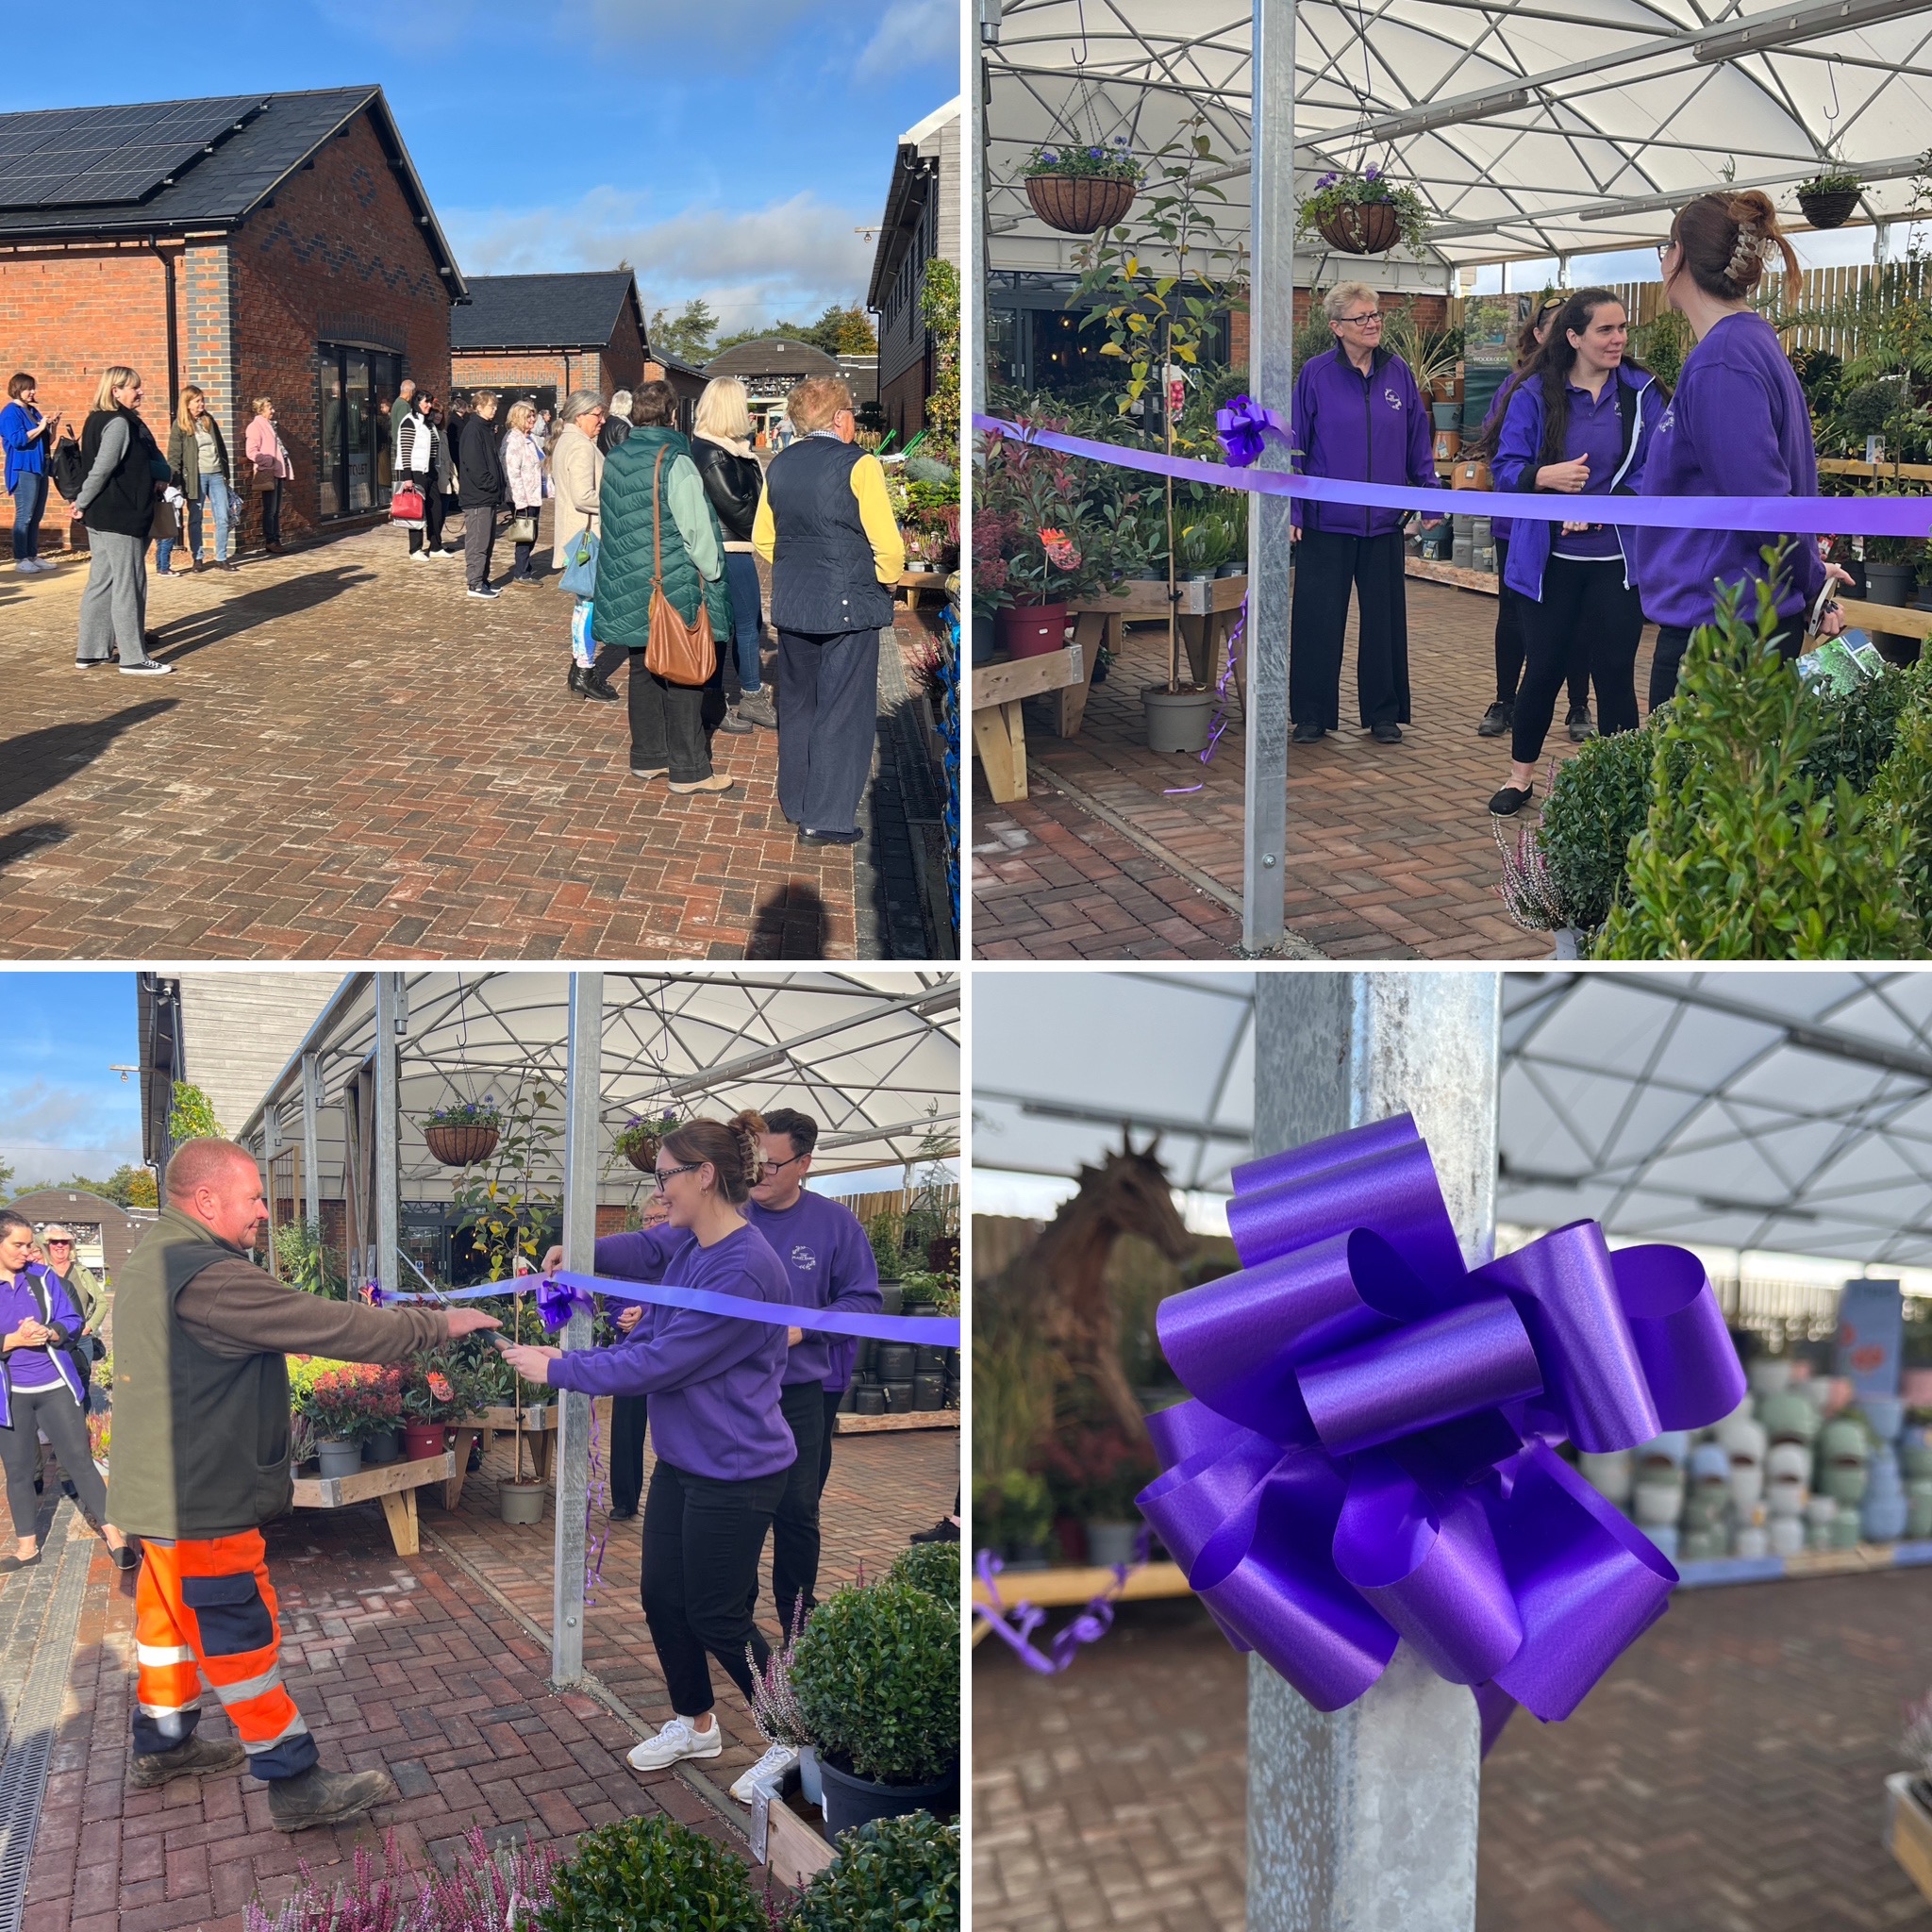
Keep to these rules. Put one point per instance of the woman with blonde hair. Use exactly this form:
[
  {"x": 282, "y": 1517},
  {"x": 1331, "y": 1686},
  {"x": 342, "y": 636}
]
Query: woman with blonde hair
[
  {"x": 198, "y": 462},
  {"x": 268, "y": 457},
  {"x": 734, "y": 480},
  {"x": 1738, "y": 425},
  {"x": 125, "y": 474},
  {"x": 722, "y": 1445},
  {"x": 522, "y": 469}
]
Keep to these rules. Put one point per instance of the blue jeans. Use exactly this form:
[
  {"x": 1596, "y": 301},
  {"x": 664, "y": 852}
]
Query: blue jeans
[
  {"x": 29, "y": 500},
  {"x": 215, "y": 491},
  {"x": 742, "y": 575}
]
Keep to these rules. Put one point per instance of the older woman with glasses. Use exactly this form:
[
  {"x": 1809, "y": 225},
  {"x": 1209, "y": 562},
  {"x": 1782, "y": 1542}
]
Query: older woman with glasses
[
  {"x": 723, "y": 1445},
  {"x": 1358, "y": 416}
]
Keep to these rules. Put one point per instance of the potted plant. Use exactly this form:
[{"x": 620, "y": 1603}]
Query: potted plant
[
  {"x": 345, "y": 1404},
  {"x": 1828, "y": 198},
  {"x": 518, "y": 1500},
  {"x": 656, "y": 1873},
  {"x": 464, "y": 1132},
  {"x": 1363, "y": 214},
  {"x": 430, "y": 1400},
  {"x": 1081, "y": 190},
  {"x": 1031, "y": 521},
  {"x": 1012, "y": 1514},
  {"x": 877, "y": 1676},
  {"x": 902, "y": 1873},
  {"x": 885, "y": 1234},
  {"x": 1094, "y": 1475},
  {"x": 639, "y": 1138}
]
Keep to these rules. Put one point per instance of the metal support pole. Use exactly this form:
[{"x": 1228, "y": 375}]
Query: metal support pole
[
  {"x": 582, "y": 1089},
  {"x": 1364, "y": 1820},
  {"x": 1270, "y": 378},
  {"x": 389, "y": 1026},
  {"x": 311, "y": 1177},
  {"x": 979, "y": 255}
]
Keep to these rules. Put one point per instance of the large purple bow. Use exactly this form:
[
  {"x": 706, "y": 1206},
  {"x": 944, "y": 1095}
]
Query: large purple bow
[
  {"x": 1367, "y": 1453},
  {"x": 1241, "y": 425},
  {"x": 556, "y": 1303}
]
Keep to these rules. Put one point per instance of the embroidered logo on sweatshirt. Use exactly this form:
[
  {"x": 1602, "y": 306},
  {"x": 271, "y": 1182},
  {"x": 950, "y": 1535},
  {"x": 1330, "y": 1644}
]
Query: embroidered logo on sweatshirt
[
  {"x": 1394, "y": 400},
  {"x": 803, "y": 1261}
]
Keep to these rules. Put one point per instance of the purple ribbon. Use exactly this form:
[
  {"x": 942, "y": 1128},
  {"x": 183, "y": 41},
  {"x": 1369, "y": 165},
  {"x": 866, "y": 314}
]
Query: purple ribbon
[
  {"x": 557, "y": 1301},
  {"x": 1367, "y": 1455},
  {"x": 1843, "y": 516},
  {"x": 1089, "y": 1627},
  {"x": 1241, "y": 424}
]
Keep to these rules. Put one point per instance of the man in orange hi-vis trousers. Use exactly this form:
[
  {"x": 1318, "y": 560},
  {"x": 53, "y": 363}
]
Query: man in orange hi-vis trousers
[{"x": 200, "y": 1461}]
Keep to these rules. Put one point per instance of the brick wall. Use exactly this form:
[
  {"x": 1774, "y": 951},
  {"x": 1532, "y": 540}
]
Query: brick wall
[
  {"x": 1432, "y": 312},
  {"x": 65, "y": 316},
  {"x": 618, "y": 365},
  {"x": 337, "y": 258}
]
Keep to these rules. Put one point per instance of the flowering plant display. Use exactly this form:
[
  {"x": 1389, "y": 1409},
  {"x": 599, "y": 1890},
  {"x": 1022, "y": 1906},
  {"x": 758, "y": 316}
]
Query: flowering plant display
[
  {"x": 1338, "y": 193},
  {"x": 1032, "y": 524},
  {"x": 639, "y": 1138},
  {"x": 1110, "y": 161},
  {"x": 349, "y": 1402},
  {"x": 466, "y": 1113},
  {"x": 439, "y": 1388}
]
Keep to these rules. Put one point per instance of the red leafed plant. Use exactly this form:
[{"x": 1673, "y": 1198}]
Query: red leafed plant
[{"x": 501, "y": 1890}]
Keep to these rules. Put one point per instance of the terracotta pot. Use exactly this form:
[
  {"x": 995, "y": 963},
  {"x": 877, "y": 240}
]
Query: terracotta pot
[
  {"x": 1829, "y": 210},
  {"x": 1031, "y": 631},
  {"x": 460, "y": 1146},
  {"x": 423, "y": 1439},
  {"x": 1079, "y": 204},
  {"x": 1448, "y": 445},
  {"x": 1362, "y": 227}
]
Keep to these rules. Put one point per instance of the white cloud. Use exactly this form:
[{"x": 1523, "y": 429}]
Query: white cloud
[
  {"x": 914, "y": 33},
  {"x": 51, "y": 1132},
  {"x": 791, "y": 257}
]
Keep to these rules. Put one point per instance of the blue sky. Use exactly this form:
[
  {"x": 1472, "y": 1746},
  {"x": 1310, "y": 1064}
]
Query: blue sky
[
  {"x": 61, "y": 1109},
  {"x": 727, "y": 149}
]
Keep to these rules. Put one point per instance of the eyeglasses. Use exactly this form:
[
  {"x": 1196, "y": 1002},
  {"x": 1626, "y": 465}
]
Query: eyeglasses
[
  {"x": 773, "y": 1166},
  {"x": 668, "y": 1174},
  {"x": 1373, "y": 319}
]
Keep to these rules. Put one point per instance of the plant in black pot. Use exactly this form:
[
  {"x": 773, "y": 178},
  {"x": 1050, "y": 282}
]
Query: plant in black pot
[
  {"x": 1829, "y": 197},
  {"x": 893, "y": 1874},
  {"x": 1095, "y": 1475},
  {"x": 655, "y": 1873},
  {"x": 877, "y": 1677}
]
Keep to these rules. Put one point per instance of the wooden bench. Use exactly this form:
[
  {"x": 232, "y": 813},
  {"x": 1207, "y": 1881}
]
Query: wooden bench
[
  {"x": 1062, "y": 1588},
  {"x": 1207, "y": 613},
  {"x": 539, "y": 1429},
  {"x": 391, "y": 1484},
  {"x": 999, "y": 732},
  {"x": 912, "y": 582},
  {"x": 850, "y": 1424}
]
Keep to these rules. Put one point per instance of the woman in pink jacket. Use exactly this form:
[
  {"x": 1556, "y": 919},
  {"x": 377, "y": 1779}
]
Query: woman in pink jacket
[{"x": 269, "y": 467}]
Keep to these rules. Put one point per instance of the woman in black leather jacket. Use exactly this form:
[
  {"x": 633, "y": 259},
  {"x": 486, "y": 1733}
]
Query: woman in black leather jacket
[{"x": 734, "y": 480}]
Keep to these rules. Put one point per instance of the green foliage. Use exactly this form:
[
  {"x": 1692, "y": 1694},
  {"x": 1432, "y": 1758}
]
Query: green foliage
[
  {"x": 504, "y": 1211},
  {"x": 876, "y": 1675},
  {"x": 465, "y": 1113},
  {"x": 1836, "y": 179},
  {"x": 839, "y": 331},
  {"x": 128, "y": 1186},
  {"x": 892, "y": 1875},
  {"x": 931, "y": 1567},
  {"x": 191, "y": 1114},
  {"x": 1902, "y": 792},
  {"x": 1597, "y": 803},
  {"x": 652, "y": 1874},
  {"x": 1742, "y": 859},
  {"x": 938, "y": 309},
  {"x": 1113, "y": 162},
  {"x": 1012, "y": 1508},
  {"x": 685, "y": 336},
  {"x": 306, "y": 1261},
  {"x": 1430, "y": 353},
  {"x": 1662, "y": 346},
  {"x": 1336, "y": 191},
  {"x": 886, "y": 1233},
  {"x": 346, "y": 1402}
]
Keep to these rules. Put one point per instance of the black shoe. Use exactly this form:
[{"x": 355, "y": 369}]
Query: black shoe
[
  {"x": 1386, "y": 734},
  {"x": 617, "y": 1515},
  {"x": 126, "y": 1558},
  {"x": 808, "y": 836},
  {"x": 946, "y": 1532},
  {"x": 1578, "y": 724},
  {"x": 731, "y": 722},
  {"x": 476, "y": 1461},
  {"x": 1307, "y": 734},
  {"x": 1497, "y": 720},
  {"x": 576, "y": 680},
  {"x": 596, "y": 685},
  {"x": 1511, "y": 800}
]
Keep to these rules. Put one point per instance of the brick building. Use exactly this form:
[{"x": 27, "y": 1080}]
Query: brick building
[
  {"x": 105, "y": 1232},
  {"x": 270, "y": 244},
  {"x": 922, "y": 222},
  {"x": 542, "y": 336}
]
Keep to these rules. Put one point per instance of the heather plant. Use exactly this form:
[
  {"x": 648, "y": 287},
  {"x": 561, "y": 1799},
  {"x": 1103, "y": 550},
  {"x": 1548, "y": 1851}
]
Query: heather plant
[
  {"x": 501, "y": 1890},
  {"x": 774, "y": 1702}
]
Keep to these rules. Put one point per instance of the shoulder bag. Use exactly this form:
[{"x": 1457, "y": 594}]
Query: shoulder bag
[
  {"x": 580, "y": 565},
  {"x": 679, "y": 652}
]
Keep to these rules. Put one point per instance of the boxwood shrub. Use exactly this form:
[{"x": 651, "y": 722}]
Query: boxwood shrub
[
  {"x": 895, "y": 1874},
  {"x": 931, "y": 1567},
  {"x": 653, "y": 1875}
]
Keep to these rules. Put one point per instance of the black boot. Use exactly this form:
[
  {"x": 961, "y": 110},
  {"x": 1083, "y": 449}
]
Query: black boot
[
  {"x": 595, "y": 686},
  {"x": 577, "y": 679},
  {"x": 316, "y": 1796}
]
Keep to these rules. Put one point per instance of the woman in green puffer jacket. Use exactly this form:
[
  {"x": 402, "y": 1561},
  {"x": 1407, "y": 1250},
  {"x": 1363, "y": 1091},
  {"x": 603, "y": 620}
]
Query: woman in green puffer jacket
[{"x": 671, "y": 724}]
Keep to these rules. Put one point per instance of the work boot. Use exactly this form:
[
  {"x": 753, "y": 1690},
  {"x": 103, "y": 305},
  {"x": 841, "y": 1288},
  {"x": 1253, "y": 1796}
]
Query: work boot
[
  {"x": 316, "y": 1796},
  {"x": 193, "y": 1758},
  {"x": 757, "y": 708}
]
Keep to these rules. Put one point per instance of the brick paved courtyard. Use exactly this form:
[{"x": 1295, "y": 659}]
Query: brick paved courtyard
[
  {"x": 1726, "y": 1776},
  {"x": 429, "y": 1666},
  {"x": 354, "y": 760},
  {"x": 1391, "y": 854}
]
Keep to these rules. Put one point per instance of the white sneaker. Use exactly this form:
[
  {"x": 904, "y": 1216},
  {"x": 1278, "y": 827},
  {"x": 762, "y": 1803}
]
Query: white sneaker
[
  {"x": 769, "y": 1769},
  {"x": 29, "y": 567},
  {"x": 419, "y": 557},
  {"x": 153, "y": 668},
  {"x": 677, "y": 1739}
]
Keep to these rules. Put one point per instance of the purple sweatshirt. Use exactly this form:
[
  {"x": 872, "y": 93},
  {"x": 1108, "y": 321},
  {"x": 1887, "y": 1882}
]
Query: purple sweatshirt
[
  {"x": 829, "y": 1264},
  {"x": 713, "y": 1381},
  {"x": 36, "y": 1368},
  {"x": 1357, "y": 428},
  {"x": 1737, "y": 426}
]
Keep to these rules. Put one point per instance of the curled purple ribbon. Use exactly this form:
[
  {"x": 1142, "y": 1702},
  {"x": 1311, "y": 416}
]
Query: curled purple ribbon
[
  {"x": 557, "y": 1302},
  {"x": 1240, "y": 426},
  {"x": 1366, "y": 1457}
]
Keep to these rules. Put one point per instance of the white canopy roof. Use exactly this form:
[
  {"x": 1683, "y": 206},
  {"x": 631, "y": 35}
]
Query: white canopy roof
[
  {"x": 1532, "y": 128},
  {"x": 1786, "y": 1110}
]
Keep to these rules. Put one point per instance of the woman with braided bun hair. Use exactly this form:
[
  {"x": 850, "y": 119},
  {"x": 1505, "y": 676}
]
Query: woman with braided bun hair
[
  {"x": 722, "y": 1441},
  {"x": 1737, "y": 426}
]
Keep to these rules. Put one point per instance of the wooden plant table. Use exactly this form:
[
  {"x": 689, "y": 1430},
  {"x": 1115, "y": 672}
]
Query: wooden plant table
[
  {"x": 999, "y": 732},
  {"x": 391, "y": 1484},
  {"x": 1908, "y": 1830},
  {"x": 1207, "y": 613},
  {"x": 854, "y": 1425},
  {"x": 490, "y": 1424}
]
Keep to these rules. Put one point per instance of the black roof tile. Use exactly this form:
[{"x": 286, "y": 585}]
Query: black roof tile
[{"x": 567, "y": 312}]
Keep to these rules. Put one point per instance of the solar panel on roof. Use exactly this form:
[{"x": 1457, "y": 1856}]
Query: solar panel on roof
[{"x": 104, "y": 157}]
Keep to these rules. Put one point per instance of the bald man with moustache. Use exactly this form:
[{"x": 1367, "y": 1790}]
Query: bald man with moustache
[{"x": 200, "y": 1461}]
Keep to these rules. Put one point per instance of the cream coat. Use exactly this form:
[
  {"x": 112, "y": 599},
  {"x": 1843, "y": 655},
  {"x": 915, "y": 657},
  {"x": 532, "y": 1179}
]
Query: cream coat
[{"x": 576, "y": 471}]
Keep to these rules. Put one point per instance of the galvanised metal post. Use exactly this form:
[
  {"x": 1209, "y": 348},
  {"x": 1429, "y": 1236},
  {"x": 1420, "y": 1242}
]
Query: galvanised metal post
[
  {"x": 312, "y": 1102},
  {"x": 1270, "y": 378},
  {"x": 1364, "y": 1820},
  {"x": 391, "y": 1022},
  {"x": 582, "y": 1090}
]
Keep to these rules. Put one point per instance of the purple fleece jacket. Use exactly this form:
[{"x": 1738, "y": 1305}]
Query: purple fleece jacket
[
  {"x": 1370, "y": 429},
  {"x": 1737, "y": 426},
  {"x": 829, "y": 1264},
  {"x": 713, "y": 1381},
  {"x": 36, "y": 1368}
]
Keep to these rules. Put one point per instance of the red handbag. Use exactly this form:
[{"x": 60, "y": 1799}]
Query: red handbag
[{"x": 405, "y": 504}]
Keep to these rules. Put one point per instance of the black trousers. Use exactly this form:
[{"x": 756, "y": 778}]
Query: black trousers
[
  {"x": 703, "y": 1539},
  {"x": 1327, "y": 569},
  {"x": 1584, "y": 610},
  {"x": 430, "y": 536},
  {"x": 795, "y": 1522},
  {"x": 828, "y": 703},
  {"x": 54, "y": 1412},
  {"x": 271, "y": 502},
  {"x": 1667, "y": 657},
  {"x": 833, "y": 1398},
  {"x": 628, "y": 1416},
  {"x": 1509, "y": 643},
  {"x": 671, "y": 724}
]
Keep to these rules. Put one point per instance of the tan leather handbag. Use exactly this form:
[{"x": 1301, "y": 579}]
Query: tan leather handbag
[{"x": 679, "y": 652}]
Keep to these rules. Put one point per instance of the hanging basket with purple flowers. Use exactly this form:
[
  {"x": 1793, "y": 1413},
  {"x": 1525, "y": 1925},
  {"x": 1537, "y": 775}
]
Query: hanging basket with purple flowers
[
  {"x": 1363, "y": 214},
  {"x": 1081, "y": 190}
]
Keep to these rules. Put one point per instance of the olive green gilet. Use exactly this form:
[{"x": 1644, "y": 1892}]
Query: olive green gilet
[{"x": 200, "y": 1444}]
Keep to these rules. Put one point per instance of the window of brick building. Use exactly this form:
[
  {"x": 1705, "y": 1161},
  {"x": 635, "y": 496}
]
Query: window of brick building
[{"x": 355, "y": 390}]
